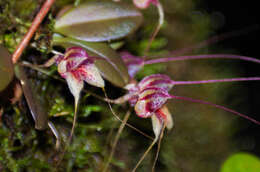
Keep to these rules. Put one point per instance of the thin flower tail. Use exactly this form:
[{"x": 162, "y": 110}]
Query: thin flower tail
[
  {"x": 159, "y": 122},
  {"x": 75, "y": 87},
  {"x": 203, "y": 56},
  {"x": 216, "y": 106},
  {"x": 119, "y": 131}
]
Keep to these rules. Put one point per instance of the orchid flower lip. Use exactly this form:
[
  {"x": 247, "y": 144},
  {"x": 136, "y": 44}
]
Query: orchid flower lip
[{"x": 160, "y": 115}]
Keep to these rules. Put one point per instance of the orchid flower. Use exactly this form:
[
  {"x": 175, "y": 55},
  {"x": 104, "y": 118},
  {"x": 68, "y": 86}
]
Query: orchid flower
[
  {"x": 76, "y": 66},
  {"x": 150, "y": 95}
]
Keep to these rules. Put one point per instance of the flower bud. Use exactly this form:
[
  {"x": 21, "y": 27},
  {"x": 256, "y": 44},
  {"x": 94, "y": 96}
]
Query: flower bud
[
  {"x": 133, "y": 63},
  {"x": 142, "y": 4}
]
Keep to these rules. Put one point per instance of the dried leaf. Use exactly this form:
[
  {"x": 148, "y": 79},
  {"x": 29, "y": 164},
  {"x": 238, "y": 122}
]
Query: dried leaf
[
  {"x": 99, "y": 21},
  {"x": 6, "y": 68},
  {"x": 38, "y": 112}
]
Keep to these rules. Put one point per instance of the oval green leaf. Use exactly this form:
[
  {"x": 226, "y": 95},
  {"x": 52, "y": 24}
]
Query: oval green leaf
[
  {"x": 99, "y": 21},
  {"x": 38, "y": 112},
  {"x": 241, "y": 162},
  {"x": 6, "y": 68},
  {"x": 112, "y": 67}
]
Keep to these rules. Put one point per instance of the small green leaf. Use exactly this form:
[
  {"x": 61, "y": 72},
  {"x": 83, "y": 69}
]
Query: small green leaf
[
  {"x": 241, "y": 162},
  {"x": 6, "y": 68},
  {"x": 112, "y": 67},
  {"x": 99, "y": 21},
  {"x": 38, "y": 112}
]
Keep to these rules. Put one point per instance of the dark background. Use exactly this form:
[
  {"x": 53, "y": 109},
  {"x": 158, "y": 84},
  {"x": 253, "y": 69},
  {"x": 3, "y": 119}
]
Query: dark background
[{"x": 238, "y": 15}]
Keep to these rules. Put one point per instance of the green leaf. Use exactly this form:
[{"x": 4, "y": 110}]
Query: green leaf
[
  {"x": 6, "y": 68},
  {"x": 112, "y": 67},
  {"x": 38, "y": 112},
  {"x": 99, "y": 21},
  {"x": 241, "y": 162}
]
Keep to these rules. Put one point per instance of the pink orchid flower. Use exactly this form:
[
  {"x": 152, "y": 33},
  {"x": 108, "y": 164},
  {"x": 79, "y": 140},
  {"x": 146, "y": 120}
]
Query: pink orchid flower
[
  {"x": 76, "y": 66},
  {"x": 152, "y": 97},
  {"x": 149, "y": 97}
]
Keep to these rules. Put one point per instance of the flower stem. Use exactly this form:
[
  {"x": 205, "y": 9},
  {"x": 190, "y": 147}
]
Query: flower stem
[
  {"x": 158, "y": 27},
  {"x": 119, "y": 119},
  {"x": 36, "y": 22},
  {"x": 119, "y": 131}
]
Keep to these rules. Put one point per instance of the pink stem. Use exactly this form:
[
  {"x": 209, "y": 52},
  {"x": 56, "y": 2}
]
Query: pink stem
[
  {"x": 36, "y": 22},
  {"x": 215, "y": 81},
  {"x": 217, "y": 106},
  {"x": 207, "y": 56}
]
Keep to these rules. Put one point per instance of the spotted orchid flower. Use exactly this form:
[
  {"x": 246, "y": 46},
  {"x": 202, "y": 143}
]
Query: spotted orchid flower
[
  {"x": 152, "y": 97},
  {"x": 76, "y": 66},
  {"x": 149, "y": 97}
]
